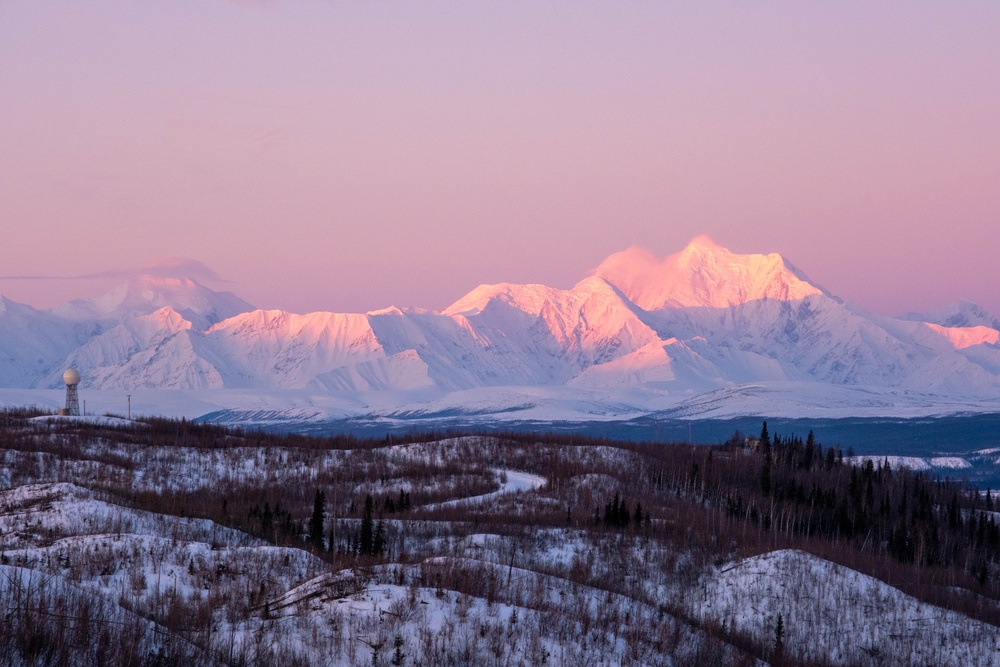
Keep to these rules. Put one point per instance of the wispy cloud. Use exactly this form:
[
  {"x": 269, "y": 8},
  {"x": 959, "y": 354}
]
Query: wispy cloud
[{"x": 170, "y": 267}]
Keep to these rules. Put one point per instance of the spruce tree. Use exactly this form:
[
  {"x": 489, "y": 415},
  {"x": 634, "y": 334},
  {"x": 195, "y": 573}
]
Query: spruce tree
[
  {"x": 378, "y": 541},
  {"x": 810, "y": 451},
  {"x": 316, "y": 520},
  {"x": 765, "y": 478},
  {"x": 397, "y": 654},
  {"x": 611, "y": 513},
  {"x": 367, "y": 542},
  {"x": 765, "y": 442},
  {"x": 266, "y": 517}
]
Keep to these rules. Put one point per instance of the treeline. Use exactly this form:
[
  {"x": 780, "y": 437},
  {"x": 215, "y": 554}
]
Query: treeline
[
  {"x": 802, "y": 490},
  {"x": 169, "y": 432}
]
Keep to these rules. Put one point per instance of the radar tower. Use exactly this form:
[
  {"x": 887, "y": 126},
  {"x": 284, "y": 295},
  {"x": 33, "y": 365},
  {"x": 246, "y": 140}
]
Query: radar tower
[{"x": 72, "y": 379}]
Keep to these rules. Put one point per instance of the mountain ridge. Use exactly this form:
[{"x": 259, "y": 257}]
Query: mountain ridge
[{"x": 695, "y": 321}]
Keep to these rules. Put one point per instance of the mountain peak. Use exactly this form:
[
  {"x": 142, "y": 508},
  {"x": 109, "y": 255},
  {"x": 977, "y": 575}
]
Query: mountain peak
[
  {"x": 962, "y": 313},
  {"x": 703, "y": 274},
  {"x": 702, "y": 243},
  {"x": 147, "y": 293},
  {"x": 529, "y": 298}
]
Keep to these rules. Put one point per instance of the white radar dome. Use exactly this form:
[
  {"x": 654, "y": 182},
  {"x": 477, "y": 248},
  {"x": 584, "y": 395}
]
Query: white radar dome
[{"x": 71, "y": 376}]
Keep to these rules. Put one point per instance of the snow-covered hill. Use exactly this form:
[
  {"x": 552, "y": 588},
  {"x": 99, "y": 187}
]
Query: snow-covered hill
[
  {"x": 642, "y": 332},
  {"x": 834, "y": 615},
  {"x": 167, "y": 542}
]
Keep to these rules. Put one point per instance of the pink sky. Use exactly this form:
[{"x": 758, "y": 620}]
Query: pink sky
[{"x": 348, "y": 156}]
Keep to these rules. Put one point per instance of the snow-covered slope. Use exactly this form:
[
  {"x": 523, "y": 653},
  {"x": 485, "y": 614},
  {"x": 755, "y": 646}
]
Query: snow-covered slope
[
  {"x": 703, "y": 275},
  {"x": 33, "y": 343},
  {"x": 642, "y": 332},
  {"x": 155, "y": 350},
  {"x": 834, "y": 615},
  {"x": 962, "y": 313},
  {"x": 276, "y": 348}
]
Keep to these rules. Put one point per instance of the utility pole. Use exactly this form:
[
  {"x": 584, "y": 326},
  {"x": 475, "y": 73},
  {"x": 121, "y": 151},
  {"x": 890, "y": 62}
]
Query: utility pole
[{"x": 129, "y": 396}]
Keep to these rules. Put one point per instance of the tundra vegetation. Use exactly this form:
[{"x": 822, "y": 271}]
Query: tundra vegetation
[{"x": 169, "y": 542}]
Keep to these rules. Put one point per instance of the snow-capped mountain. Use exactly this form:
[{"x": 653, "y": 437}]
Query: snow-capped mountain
[
  {"x": 701, "y": 320},
  {"x": 144, "y": 294},
  {"x": 704, "y": 275},
  {"x": 963, "y": 313},
  {"x": 33, "y": 342}
]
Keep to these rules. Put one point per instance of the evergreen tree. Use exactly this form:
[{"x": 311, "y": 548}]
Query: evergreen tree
[
  {"x": 779, "y": 636},
  {"x": 316, "y": 520},
  {"x": 954, "y": 513},
  {"x": 398, "y": 655},
  {"x": 765, "y": 441},
  {"x": 831, "y": 458},
  {"x": 378, "y": 541},
  {"x": 765, "y": 478},
  {"x": 266, "y": 517},
  {"x": 367, "y": 543},
  {"x": 810, "y": 451},
  {"x": 616, "y": 514},
  {"x": 611, "y": 513}
]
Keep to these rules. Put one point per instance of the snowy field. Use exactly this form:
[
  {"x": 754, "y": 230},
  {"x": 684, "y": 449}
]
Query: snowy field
[
  {"x": 937, "y": 463},
  {"x": 528, "y": 403}
]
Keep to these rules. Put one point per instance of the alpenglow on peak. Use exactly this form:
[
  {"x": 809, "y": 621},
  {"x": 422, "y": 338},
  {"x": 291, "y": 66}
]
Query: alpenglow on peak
[{"x": 704, "y": 274}]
